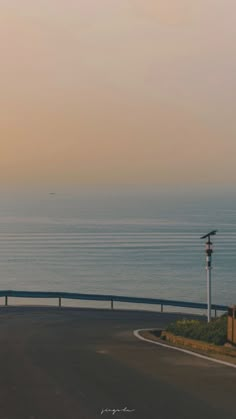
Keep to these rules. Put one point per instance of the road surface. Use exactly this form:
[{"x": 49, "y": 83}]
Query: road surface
[{"x": 87, "y": 364}]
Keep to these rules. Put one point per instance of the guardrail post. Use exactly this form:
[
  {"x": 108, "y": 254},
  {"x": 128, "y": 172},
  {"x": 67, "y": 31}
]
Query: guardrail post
[
  {"x": 215, "y": 313},
  {"x": 161, "y": 308},
  {"x": 6, "y": 300},
  {"x": 59, "y": 301},
  {"x": 112, "y": 305}
]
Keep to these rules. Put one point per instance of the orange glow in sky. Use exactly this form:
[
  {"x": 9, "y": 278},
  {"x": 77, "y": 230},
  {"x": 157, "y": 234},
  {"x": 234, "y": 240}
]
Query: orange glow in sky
[{"x": 117, "y": 92}]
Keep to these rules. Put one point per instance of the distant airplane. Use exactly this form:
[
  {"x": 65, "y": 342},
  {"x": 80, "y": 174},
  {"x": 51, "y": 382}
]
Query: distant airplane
[{"x": 52, "y": 193}]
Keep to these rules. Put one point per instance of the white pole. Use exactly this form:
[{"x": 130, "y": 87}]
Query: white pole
[
  {"x": 209, "y": 251},
  {"x": 208, "y": 289}
]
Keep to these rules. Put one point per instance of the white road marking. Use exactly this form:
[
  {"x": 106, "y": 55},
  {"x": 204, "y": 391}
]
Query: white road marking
[{"x": 137, "y": 335}]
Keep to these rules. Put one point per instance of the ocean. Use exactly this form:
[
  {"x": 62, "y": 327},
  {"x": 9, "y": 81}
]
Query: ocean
[{"x": 134, "y": 241}]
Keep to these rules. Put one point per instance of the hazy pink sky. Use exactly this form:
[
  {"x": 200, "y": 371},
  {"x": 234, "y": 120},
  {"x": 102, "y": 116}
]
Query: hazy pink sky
[{"x": 107, "y": 91}]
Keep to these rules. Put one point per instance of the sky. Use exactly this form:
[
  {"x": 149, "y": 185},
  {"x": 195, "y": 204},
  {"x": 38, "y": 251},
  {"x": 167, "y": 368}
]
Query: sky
[{"x": 117, "y": 92}]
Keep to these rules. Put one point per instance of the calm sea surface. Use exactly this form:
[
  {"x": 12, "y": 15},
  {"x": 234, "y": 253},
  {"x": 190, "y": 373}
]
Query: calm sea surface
[{"x": 126, "y": 241}]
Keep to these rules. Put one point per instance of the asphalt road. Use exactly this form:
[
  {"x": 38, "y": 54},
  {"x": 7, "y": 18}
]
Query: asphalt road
[{"x": 75, "y": 364}]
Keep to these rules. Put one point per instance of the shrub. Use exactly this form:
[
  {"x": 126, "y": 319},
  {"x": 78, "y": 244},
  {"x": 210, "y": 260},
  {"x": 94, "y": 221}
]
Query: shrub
[{"x": 213, "y": 332}]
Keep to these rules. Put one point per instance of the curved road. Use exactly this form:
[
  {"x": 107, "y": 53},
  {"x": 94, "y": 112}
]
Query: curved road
[{"x": 80, "y": 363}]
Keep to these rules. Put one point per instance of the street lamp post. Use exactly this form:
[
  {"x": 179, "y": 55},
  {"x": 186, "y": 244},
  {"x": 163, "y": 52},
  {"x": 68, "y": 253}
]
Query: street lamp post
[{"x": 209, "y": 251}]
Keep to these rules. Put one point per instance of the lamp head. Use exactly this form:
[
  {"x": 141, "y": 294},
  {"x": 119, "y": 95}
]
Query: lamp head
[{"x": 212, "y": 233}]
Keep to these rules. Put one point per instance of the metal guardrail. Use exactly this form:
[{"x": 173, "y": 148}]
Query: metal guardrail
[{"x": 112, "y": 298}]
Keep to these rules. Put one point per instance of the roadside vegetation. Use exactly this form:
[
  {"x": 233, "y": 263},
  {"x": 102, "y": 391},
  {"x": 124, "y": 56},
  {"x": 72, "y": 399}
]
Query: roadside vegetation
[{"x": 213, "y": 332}]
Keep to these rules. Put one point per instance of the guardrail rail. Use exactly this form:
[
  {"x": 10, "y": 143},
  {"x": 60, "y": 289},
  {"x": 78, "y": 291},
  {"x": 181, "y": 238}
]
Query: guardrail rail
[{"x": 111, "y": 298}]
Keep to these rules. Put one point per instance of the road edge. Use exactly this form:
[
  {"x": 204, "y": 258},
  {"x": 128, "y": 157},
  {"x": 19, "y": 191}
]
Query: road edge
[{"x": 217, "y": 361}]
